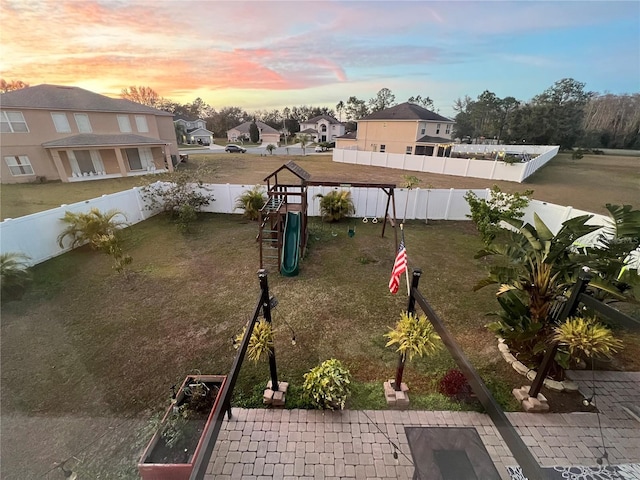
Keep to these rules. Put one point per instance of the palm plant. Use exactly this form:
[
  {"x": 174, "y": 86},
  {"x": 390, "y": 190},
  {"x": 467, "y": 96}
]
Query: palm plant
[
  {"x": 14, "y": 274},
  {"x": 270, "y": 148},
  {"x": 410, "y": 182},
  {"x": 586, "y": 337},
  {"x": 252, "y": 202},
  {"x": 260, "y": 343},
  {"x": 303, "y": 139},
  {"x": 90, "y": 227},
  {"x": 336, "y": 205},
  {"x": 414, "y": 336}
]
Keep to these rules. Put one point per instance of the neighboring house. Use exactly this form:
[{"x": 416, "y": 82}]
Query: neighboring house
[
  {"x": 268, "y": 135},
  {"x": 66, "y": 133},
  {"x": 195, "y": 130},
  {"x": 323, "y": 128},
  {"x": 406, "y": 128}
]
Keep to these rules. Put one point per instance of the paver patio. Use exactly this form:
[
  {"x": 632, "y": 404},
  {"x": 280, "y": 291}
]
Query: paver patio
[{"x": 261, "y": 443}]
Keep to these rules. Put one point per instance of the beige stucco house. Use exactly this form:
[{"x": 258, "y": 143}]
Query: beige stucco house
[
  {"x": 406, "y": 128},
  {"x": 67, "y": 133},
  {"x": 195, "y": 130},
  {"x": 268, "y": 135},
  {"x": 323, "y": 128}
]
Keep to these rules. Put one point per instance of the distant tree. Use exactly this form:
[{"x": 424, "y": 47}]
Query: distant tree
[
  {"x": 340, "y": 109},
  {"x": 355, "y": 109},
  {"x": 143, "y": 95},
  {"x": 11, "y": 85},
  {"x": 226, "y": 119},
  {"x": 383, "y": 99},
  {"x": 180, "y": 132},
  {"x": 612, "y": 121},
  {"x": 425, "y": 102},
  {"x": 564, "y": 104},
  {"x": 254, "y": 132}
]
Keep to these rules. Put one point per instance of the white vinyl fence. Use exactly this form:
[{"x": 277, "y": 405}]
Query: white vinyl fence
[
  {"x": 36, "y": 235},
  {"x": 462, "y": 167}
]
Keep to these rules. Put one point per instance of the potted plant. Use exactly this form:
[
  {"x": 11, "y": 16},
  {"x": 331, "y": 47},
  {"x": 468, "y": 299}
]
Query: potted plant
[{"x": 176, "y": 443}]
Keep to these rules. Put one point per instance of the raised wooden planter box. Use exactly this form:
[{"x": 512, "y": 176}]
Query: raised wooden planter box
[{"x": 149, "y": 466}]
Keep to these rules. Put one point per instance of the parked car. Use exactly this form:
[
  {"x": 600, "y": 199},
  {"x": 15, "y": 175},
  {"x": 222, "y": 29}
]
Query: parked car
[
  {"x": 319, "y": 149},
  {"x": 234, "y": 149}
]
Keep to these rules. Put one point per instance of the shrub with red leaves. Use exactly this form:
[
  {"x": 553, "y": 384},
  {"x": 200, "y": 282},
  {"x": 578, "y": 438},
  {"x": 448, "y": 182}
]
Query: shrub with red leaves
[{"x": 454, "y": 384}]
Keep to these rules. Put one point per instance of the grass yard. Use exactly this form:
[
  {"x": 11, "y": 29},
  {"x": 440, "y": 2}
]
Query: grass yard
[
  {"x": 579, "y": 183},
  {"x": 93, "y": 344}
]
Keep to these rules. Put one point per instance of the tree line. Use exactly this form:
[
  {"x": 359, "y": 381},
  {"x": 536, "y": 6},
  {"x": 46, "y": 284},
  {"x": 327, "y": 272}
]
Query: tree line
[{"x": 563, "y": 114}]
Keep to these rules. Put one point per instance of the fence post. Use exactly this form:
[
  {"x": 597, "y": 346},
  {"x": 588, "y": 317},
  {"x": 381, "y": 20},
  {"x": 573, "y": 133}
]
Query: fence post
[
  {"x": 230, "y": 200},
  {"x": 446, "y": 212}
]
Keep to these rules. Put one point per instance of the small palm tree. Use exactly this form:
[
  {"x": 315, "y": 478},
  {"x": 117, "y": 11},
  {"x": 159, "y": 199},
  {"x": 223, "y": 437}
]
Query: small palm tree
[
  {"x": 414, "y": 336},
  {"x": 90, "y": 227},
  {"x": 14, "y": 274},
  {"x": 336, "y": 205},
  {"x": 303, "y": 139},
  {"x": 270, "y": 148},
  {"x": 252, "y": 202}
]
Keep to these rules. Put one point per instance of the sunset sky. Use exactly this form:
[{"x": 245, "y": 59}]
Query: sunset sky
[{"x": 266, "y": 54}]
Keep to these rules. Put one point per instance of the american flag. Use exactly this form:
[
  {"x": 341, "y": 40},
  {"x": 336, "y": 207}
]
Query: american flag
[{"x": 399, "y": 267}]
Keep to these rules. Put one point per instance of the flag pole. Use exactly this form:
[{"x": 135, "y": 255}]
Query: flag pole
[{"x": 406, "y": 270}]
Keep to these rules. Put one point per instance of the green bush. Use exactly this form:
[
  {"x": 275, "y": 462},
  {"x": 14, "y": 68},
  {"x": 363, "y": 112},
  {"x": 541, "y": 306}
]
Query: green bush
[
  {"x": 327, "y": 386},
  {"x": 90, "y": 227},
  {"x": 487, "y": 214},
  {"x": 14, "y": 275},
  {"x": 336, "y": 205}
]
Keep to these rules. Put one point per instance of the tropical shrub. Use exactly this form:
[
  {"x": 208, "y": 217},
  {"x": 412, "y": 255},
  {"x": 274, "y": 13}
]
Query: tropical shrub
[
  {"x": 414, "y": 336},
  {"x": 586, "y": 337},
  {"x": 89, "y": 227},
  {"x": 336, "y": 205},
  {"x": 270, "y": 148},
  {"x": 328, "y": 385},
  {"x": 252, "y": 202},
  {"x": 487, "y": 214},
  {"x": 14, "y": 275},
  {"x": 260, "y": 343}
]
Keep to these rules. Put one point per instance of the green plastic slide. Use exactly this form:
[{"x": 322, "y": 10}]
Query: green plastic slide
[{"x": 290, "y": 245}]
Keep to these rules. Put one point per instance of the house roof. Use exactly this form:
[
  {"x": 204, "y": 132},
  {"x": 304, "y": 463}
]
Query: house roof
[
  {"x": 406, "y": 111},
  {"x": 57, "y": 97},
  {"x": 348, "y": 136},
  {"x": 309, "y": 130},
  {"x": 328, "y": 118},
  {"x": 94, "y": 140},
  {"x": 186, "y": 118},
  {"x": 195, "y": 130},
  {"x": 264, "y": 128},
  {"x": 428, "y": 139}
]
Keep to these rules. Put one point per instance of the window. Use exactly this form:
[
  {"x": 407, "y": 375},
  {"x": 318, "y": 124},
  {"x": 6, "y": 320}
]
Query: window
[
  {"x": 19, "y": 165},
  {"x": 84, "y": 162},
  {"x": 409, "y": 149},
  {"x": 12, "y": 122},
  {"x": 448, "y": 130},
  {"x": 323, "y": 128},
  {"x": 141, "y": 124},
  {"x": 82, "y": 121},
  {"x": 382, "y": 148},
  {"x": 61, "y": 122},
  {"x": 423, "y": 130},
  {"x": 437, "y": 128},
  {"x": 139, "y": 158},
  {"x": 124, "y": 123}
]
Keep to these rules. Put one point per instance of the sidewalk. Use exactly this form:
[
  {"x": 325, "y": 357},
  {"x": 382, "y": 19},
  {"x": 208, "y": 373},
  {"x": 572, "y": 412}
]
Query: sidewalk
[{"x": 312, "y": 444}]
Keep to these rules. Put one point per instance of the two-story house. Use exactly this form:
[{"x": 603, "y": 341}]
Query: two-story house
[
  {"x": 268, "y": 135},
  {"x": 195, "y": 130},
  {"x": 67, "y": 133},
  {"x": 406, "y": 128},
  {"x": 323, "y": 128}
]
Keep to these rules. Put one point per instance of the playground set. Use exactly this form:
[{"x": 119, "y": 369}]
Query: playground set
[{"x": 283, "y": 231}]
